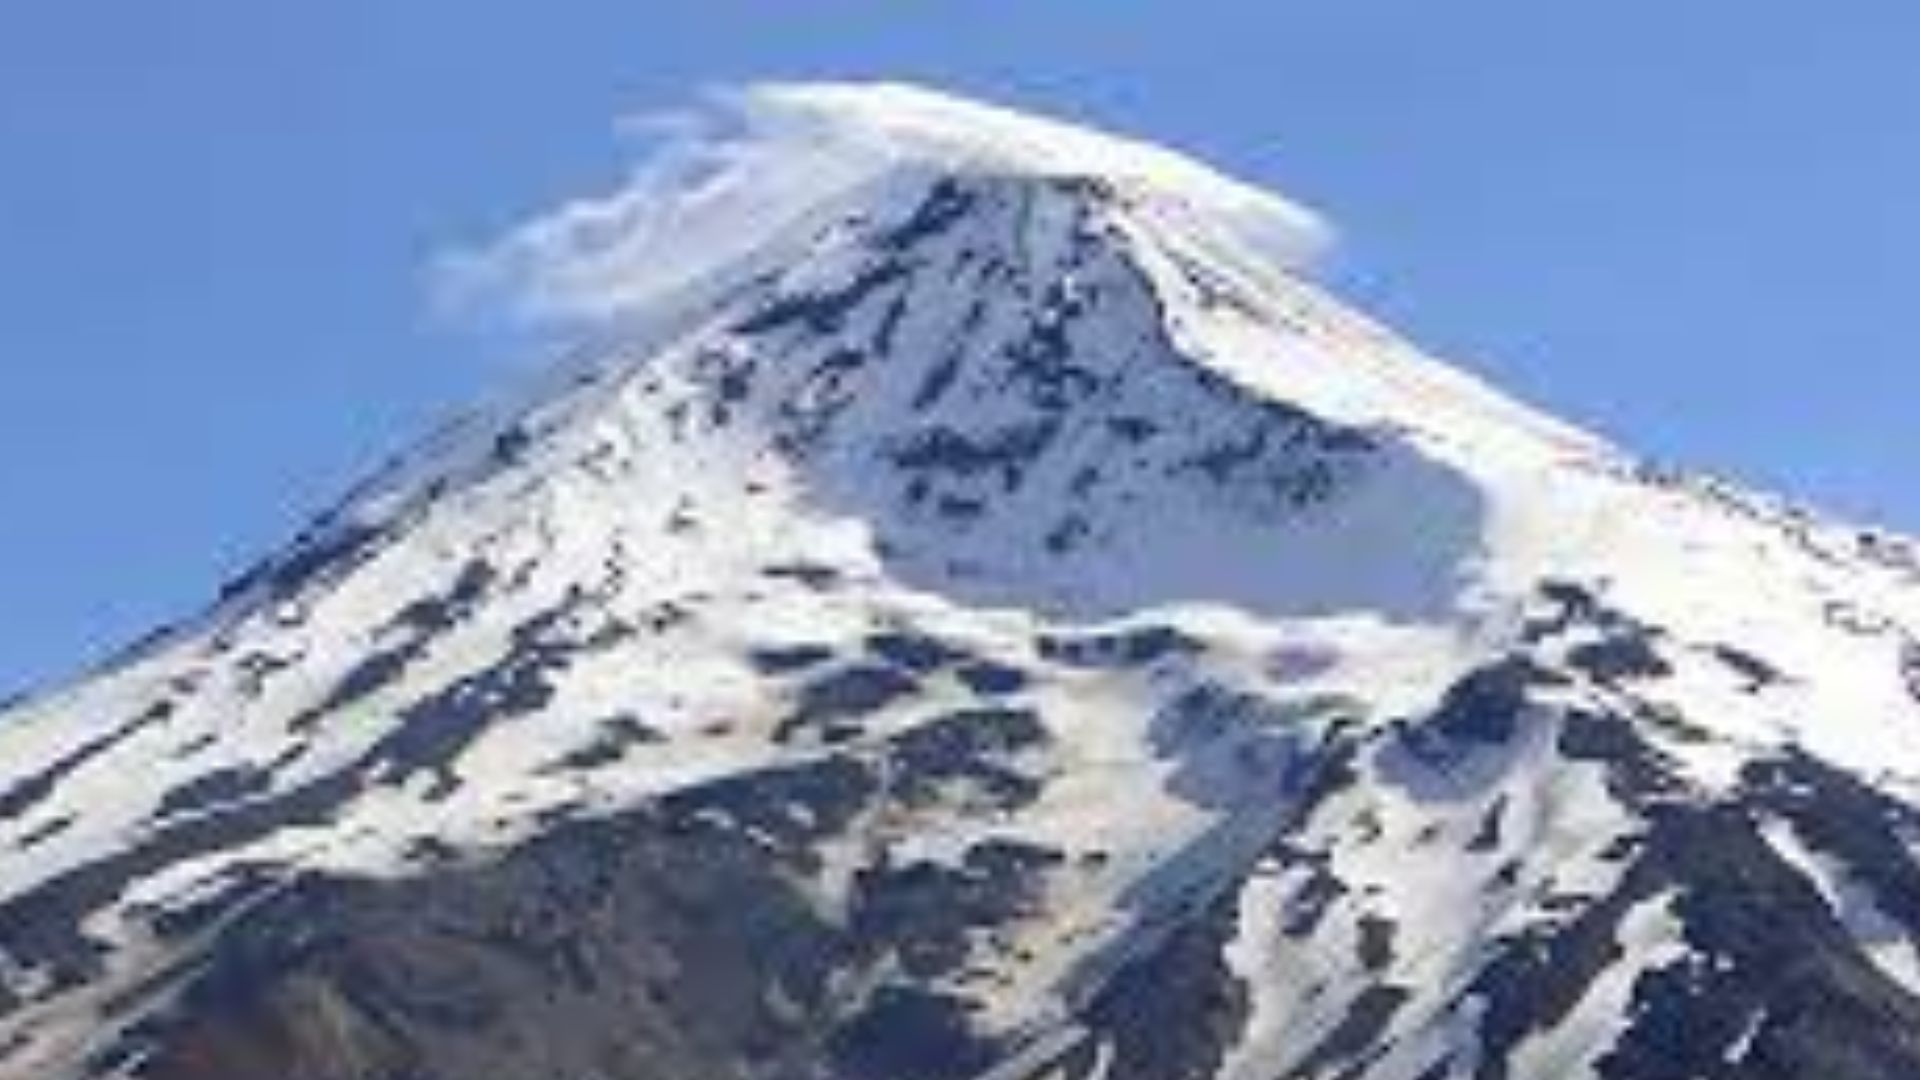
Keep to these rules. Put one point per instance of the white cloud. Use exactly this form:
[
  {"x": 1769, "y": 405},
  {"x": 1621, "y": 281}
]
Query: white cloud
[{"x": 752, "y": 163}]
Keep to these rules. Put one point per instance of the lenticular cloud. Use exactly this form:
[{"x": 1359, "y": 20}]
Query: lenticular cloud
[{"x": 749, "y": 164}]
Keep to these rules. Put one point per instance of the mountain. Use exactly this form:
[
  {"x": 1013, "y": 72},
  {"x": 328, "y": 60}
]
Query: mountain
[{"x": 979, "y": 610}]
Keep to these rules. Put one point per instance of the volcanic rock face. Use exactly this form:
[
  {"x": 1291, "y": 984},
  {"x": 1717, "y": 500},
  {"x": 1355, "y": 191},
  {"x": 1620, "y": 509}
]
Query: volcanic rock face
[{"x": 1008, "y": 624}]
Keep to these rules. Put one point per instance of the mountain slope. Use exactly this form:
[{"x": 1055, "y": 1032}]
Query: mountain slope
[{"x": 987, "y": 613}]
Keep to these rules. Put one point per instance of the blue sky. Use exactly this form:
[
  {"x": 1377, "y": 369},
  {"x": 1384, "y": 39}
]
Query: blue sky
[{"x": 1689, "y": 225}]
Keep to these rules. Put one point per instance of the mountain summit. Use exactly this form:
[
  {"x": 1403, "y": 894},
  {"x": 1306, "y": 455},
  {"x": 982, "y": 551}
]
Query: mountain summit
[{"x": 981, "y": 611}]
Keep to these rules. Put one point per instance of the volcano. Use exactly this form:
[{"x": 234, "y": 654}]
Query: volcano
[{"x": 977, "y": 608}]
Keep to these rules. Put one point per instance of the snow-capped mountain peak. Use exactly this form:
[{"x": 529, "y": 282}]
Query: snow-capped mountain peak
[{"x": 983, "y": 610}]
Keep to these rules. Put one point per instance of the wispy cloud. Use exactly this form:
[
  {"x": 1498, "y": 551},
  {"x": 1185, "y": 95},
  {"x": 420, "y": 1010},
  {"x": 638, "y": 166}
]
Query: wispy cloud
[{"x": 716, "y": 181}]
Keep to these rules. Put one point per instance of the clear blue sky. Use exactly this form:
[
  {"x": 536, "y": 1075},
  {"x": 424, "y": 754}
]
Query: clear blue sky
[{"x": 1689, "y": 224}]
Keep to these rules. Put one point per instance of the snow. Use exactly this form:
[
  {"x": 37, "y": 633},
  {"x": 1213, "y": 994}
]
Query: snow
[
  {"x": 1650, "y": 937},
  {"x": 1885, "y": 941}
]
